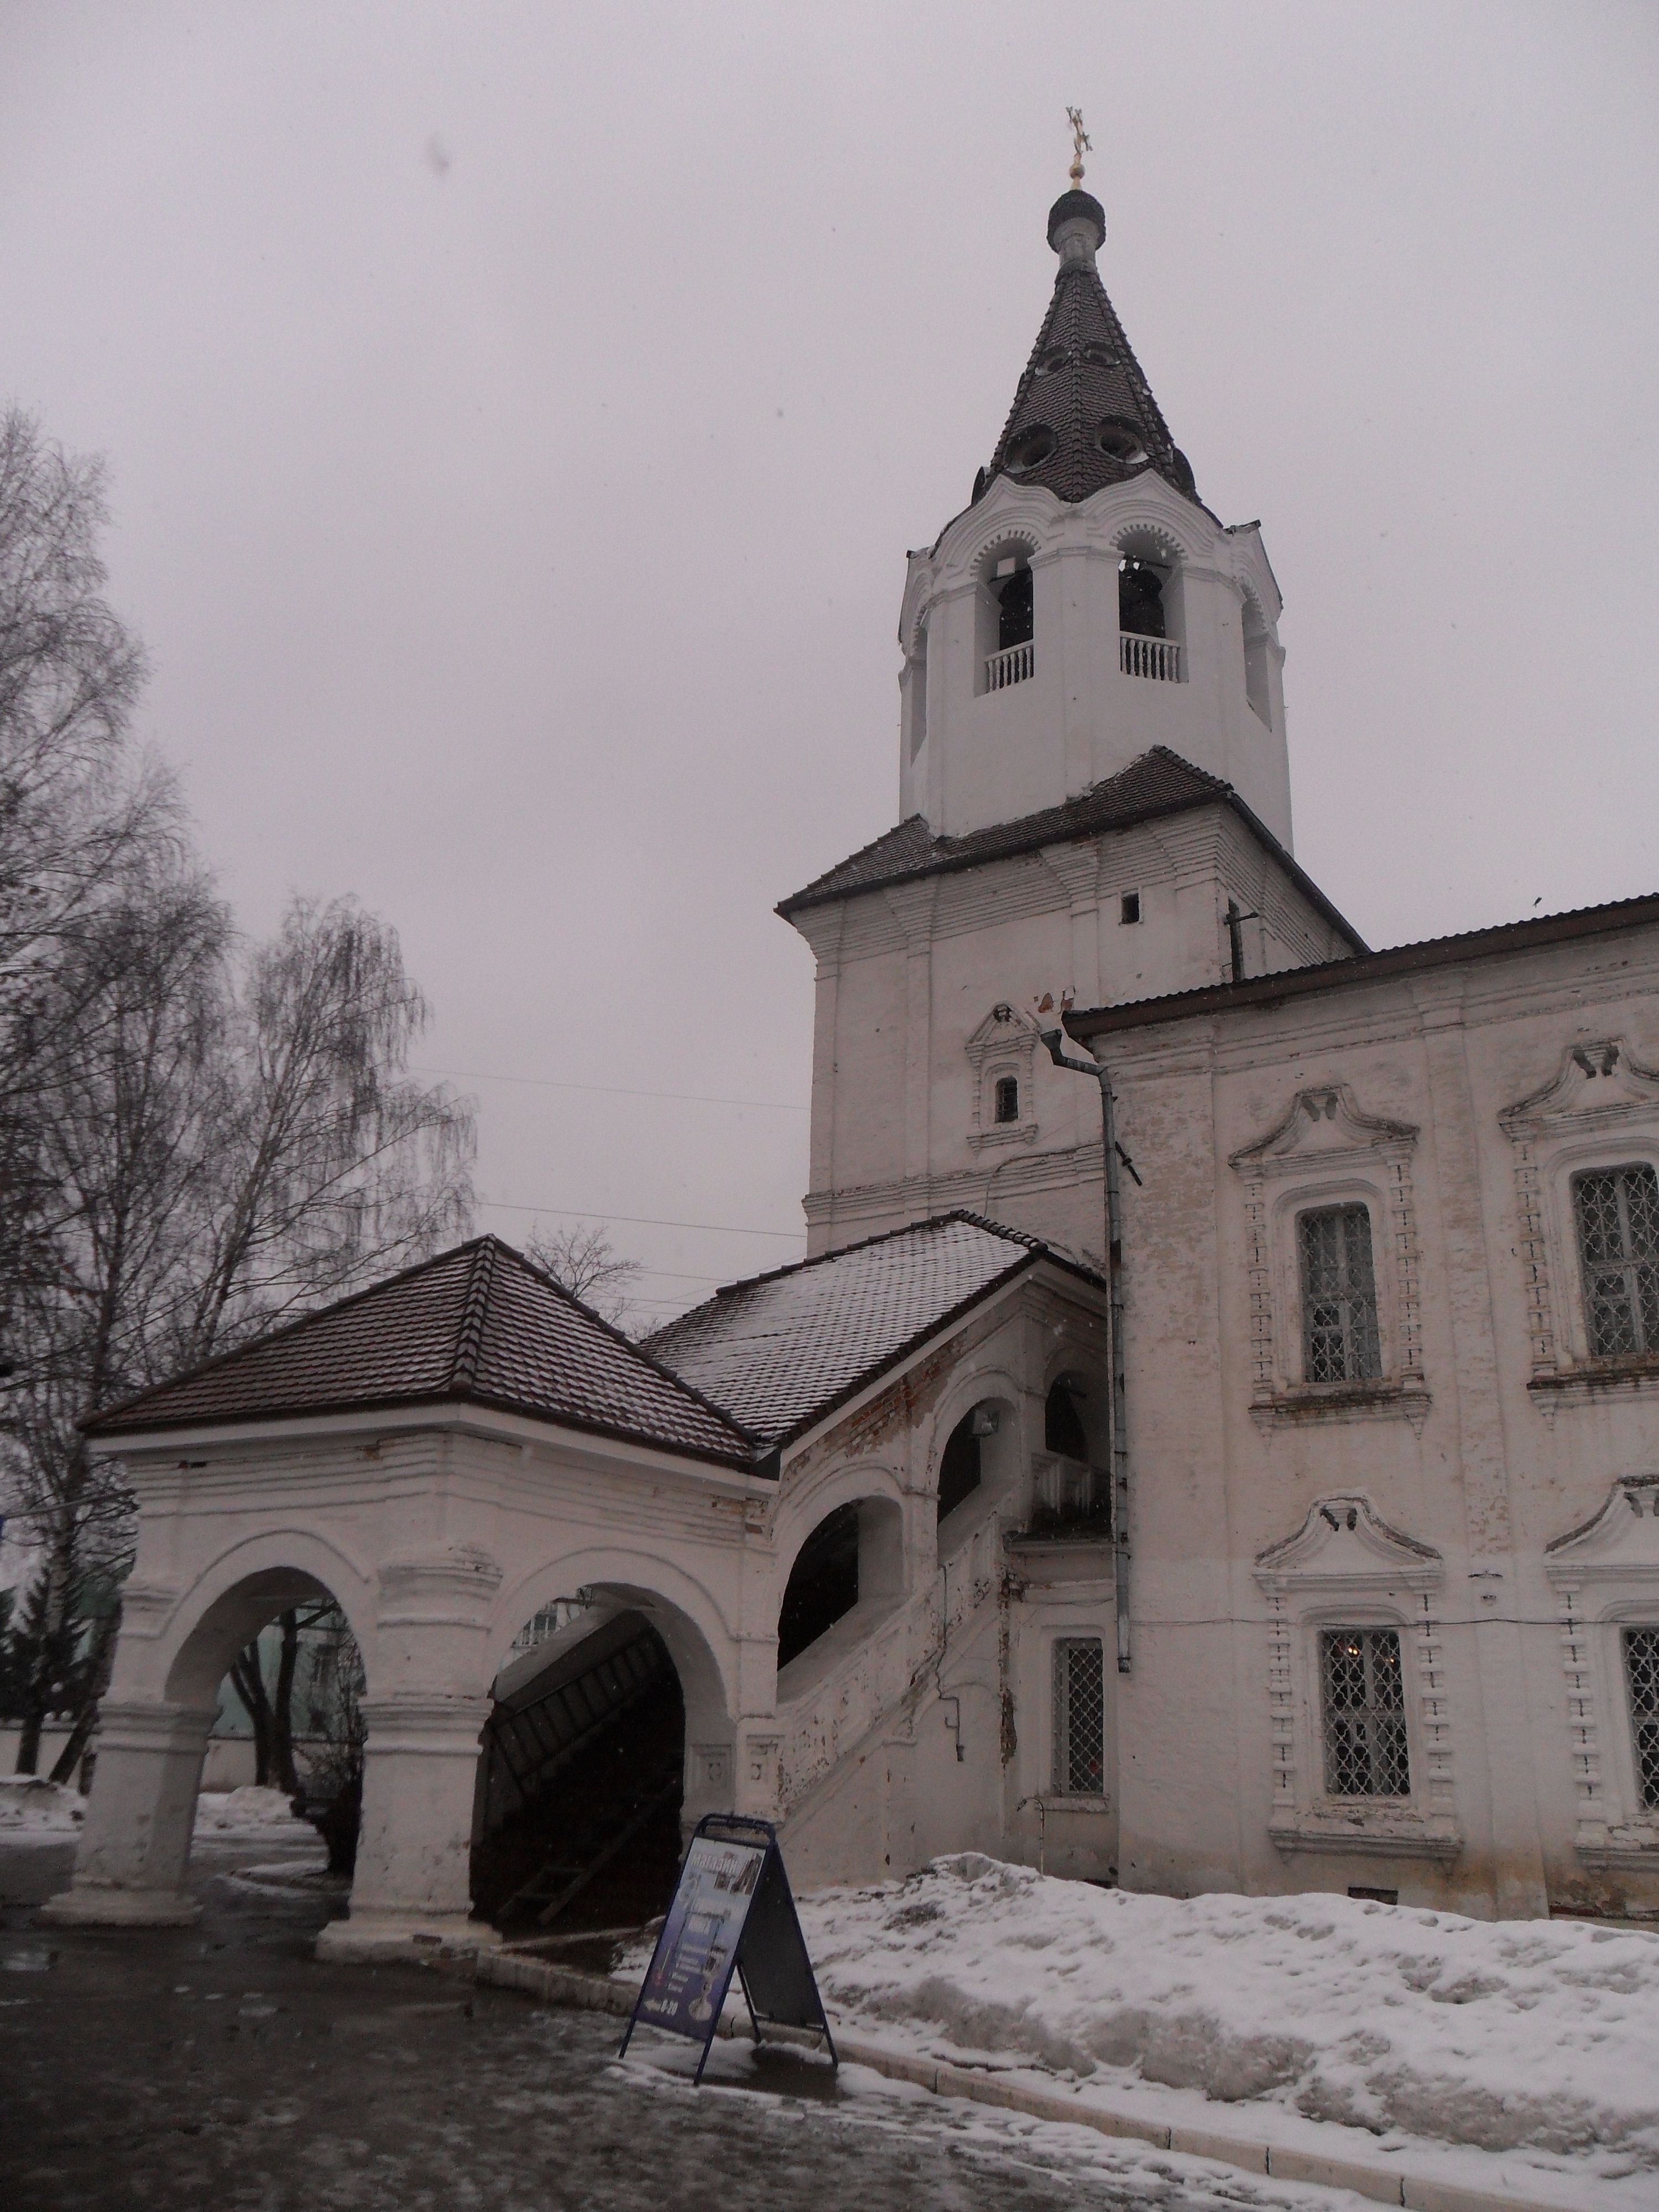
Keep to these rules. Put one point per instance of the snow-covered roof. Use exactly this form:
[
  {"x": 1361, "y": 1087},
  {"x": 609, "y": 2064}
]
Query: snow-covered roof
[{"x": 778, "y": 1352}]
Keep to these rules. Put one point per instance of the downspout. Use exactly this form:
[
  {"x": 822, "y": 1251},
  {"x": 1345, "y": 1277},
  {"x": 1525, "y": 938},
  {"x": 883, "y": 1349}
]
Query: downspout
[{"x": 1117, "y": 1403}]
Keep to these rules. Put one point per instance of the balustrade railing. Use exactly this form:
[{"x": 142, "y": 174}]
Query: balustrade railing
[
  {"x": 1069, "y": 1497},
  {"x": 1157, "y": 657},
  {"x": 1011, "y": 666}
]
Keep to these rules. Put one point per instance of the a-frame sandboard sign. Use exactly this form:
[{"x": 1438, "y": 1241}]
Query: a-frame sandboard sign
[{"x": 733, "y": 1912}]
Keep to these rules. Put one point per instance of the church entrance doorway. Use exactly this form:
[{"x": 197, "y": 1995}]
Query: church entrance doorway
[{"x": 580, "y": 1775}]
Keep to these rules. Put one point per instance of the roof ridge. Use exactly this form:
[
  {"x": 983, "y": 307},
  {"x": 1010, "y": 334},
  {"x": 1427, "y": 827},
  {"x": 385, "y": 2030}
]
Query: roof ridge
[
  {"x": 475, "y": 1311},
  {"x": 1068, "y": 823},
  {"x": 313, "y": 1316},
  {"x": 1369, "y": 966},
  {"x": 636, "y": 1346}
]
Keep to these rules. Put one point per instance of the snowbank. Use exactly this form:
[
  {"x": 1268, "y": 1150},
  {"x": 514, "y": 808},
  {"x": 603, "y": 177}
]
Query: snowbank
[
  {"x": 31, "y": 1806},
  {"x": 220, "y": 1812},
  {"x": 1502, "y": 2034}
]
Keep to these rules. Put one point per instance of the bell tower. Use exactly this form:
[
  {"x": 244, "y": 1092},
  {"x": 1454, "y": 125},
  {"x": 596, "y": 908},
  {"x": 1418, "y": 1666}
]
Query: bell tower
[
  {"x": 1095, "y": 798},
  {"x": 1086, "y": 606}
]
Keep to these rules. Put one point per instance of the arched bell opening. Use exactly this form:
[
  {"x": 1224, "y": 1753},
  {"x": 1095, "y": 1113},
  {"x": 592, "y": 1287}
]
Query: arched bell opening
[
  {"x": 608, "y": 1701},
  {"x": 1005, "y": 619},
  {"x": 1150, "y": 610}
]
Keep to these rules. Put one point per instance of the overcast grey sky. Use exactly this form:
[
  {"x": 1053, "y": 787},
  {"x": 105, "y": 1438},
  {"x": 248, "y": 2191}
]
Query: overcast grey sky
[{"x": 518, "y": 416}]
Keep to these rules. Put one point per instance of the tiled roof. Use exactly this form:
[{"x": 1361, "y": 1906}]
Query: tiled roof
[
  {"x": 779, "y": 1351},
  {"x": 1083, "y": 375},
  {"x": 1159, "y": 782},
  {"x": 477, "y": 1325},
  {"x": 1538, "y": 932}
]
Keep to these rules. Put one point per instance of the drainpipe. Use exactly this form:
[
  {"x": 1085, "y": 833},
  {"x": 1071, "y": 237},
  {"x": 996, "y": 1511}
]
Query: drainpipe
[{"x": 1117, "y": 1421}]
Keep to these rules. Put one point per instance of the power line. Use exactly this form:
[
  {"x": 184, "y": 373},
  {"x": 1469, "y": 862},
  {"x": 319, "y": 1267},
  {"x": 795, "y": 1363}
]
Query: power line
[
  {"x": 609, "y": 1090},
  {"x": 641, "y": 1221}
]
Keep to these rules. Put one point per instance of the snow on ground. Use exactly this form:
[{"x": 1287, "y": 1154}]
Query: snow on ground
[
  {"x": 1532, "y": 2037},
  {"x": 229, "y": 1811},
  {"x": 32, "y": 1805}
]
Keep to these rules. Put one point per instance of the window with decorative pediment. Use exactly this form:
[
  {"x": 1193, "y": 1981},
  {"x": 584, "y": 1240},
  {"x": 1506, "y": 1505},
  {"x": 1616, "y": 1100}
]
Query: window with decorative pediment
[
  {"x": 1357, "y": 1689},
  {"x": 1587, "y": 1207},
  {"x": 1606, "y": 1579},
  {"x": 1001, "y": 1053},
  {"x": 1333, "y": 1265}
]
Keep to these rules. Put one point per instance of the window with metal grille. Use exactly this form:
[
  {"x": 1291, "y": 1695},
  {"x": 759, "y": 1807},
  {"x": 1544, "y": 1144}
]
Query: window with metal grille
[
  {"x": 1079, "y": 1717},
  {"x": 1339, "y": 1295},
  {"x": 1642, "y": 1675},
  {"x": 1008, "y": 1094},
  {"x": 1617, "y": 1215},
  {"x": 1365, "y": 1698}
]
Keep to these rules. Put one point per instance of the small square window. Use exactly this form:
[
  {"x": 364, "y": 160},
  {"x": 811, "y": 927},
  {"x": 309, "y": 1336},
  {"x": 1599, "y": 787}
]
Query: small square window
[
  {"x": 1007, "y": 1098},
  {"x": 1129, "y": 907},
  {"x": 1079, "y": 1717}
]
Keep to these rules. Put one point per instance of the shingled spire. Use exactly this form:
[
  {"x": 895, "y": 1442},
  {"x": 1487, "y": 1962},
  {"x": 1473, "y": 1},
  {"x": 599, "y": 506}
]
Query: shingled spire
[{"x": 1084, "y": 416}]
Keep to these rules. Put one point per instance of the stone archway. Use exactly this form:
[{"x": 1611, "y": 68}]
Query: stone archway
[
  {"x": 171, "y": 1660},
  {"x": 606, "y": 1742}
]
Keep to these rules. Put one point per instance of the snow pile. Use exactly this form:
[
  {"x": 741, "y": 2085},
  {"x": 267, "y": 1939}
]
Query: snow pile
[
  {"x": 31, "y": 1806},
  {"x": 1503, "y": 2034},
  {"x": 220, "y": 1812}
]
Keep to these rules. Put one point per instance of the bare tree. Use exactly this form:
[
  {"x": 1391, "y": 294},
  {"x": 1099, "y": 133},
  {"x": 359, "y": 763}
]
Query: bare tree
[
  {"x": 75, "y": 811},
  {"x": 128, "y": 1087},
  {"x": 196, "y": 1138},
  {"x": 328, "y": 1165},
  {"x": 584, "y": 1263}
]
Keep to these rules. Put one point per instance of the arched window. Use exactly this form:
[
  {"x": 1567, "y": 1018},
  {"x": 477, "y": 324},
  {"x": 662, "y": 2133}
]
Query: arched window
[
  {"x": 962, "y": 1467},
  {"x": 1063, "y": 1430},
  {"x": 1149, "y": 610},
  {"x": 823, "y": 1583},
  {"x": 1005, "y": 625},
  {"x": 1007, "y": 1098},
  {"x": 1016, "y": 607},
  {"x": 1141, "y": 597}
]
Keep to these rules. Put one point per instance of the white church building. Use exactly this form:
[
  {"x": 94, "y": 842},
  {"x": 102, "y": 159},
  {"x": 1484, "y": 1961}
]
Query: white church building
[{"x": 1289, "y": 1522}]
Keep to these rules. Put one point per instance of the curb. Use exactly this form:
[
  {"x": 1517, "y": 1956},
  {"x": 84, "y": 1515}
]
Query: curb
[{"x": 1383, "y": 2185}]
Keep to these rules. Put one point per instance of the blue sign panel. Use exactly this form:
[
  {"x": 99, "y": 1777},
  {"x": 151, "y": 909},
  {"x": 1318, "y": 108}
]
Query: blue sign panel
[{"x": 731, "y": 1912}]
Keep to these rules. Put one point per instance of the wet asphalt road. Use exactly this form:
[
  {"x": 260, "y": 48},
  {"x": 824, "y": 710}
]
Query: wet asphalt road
[{"x": 221, "y": 2066}]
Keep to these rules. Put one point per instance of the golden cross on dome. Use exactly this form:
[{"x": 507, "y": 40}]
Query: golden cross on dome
[{"x": 1081, "y": 144}]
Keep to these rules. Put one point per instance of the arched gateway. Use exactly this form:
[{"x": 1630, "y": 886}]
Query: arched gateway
[{"x": 448, "y": 1454}]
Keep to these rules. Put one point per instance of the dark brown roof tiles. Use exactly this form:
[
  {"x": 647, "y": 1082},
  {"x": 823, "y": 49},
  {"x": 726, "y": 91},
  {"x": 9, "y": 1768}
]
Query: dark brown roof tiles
[{"x": 476, "y": 1325}]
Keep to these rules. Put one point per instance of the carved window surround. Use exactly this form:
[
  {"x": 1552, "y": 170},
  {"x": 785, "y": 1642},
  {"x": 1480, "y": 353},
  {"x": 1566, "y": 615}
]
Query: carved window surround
[
  {"x": 1606, "y": 1579},
  {"x": 1325, "y": 1152},
  {"x": 1600, "y": 1110},
  {"x": 1345, "y": 1567},
  {"x": 1005, "y": 1044}
]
